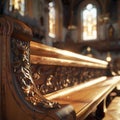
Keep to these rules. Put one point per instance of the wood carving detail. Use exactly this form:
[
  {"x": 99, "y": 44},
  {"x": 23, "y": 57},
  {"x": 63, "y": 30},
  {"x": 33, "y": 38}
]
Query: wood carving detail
[
  {"x": 23, "y": 80},
  {"x": 52, "y": 78}
]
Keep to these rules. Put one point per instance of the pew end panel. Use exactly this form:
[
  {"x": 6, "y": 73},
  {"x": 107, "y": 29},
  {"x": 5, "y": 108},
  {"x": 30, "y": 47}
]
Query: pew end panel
[{"x": 20, "y": 97}]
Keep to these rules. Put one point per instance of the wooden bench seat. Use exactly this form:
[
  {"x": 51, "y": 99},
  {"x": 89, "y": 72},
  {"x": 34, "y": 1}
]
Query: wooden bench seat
[
  {"x": 86, "y": 97},
  {"x": 45, "y": 83}
]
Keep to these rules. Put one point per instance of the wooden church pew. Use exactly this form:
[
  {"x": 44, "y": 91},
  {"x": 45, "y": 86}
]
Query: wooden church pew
[
  {"x": 39, "y": 82},
  {"x": 45, "y": 55}
]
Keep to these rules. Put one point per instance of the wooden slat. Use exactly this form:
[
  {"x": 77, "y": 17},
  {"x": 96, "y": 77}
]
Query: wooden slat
[
  {"x": 64, "y": 62},
  {"x": 47, "y": 51}
]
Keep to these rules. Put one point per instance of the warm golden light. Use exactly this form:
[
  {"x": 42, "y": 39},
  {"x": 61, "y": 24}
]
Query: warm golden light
[
  {"x": 108, "y": 58},
  {"x": 76, "y": 88},
  {"x": 70, "y": 54},
  {"x": 82, "y": 57}
]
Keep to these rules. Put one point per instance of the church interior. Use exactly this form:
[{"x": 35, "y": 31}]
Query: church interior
[{"x": 60, "y": 60}]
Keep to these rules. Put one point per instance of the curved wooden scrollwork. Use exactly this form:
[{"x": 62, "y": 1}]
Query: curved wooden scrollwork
[{"x": 21, "y": 68}]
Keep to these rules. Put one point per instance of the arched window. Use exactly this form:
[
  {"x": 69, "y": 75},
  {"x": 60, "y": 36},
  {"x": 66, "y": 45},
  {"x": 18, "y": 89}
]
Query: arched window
[
  {"x": 88, "y": 13},
  {"x": 52, "y": 19},
  {"x": 89, "y": 22},
  {"x": 18, "y": 6}
]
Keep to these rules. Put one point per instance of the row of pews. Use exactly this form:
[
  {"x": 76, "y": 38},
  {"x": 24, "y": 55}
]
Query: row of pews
[{"x": 39, "y": 82}]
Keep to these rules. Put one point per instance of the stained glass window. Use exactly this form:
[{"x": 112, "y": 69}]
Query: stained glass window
[
  {"x": 52, "y": 19},
  {"x": 89, "y": 25},
  {"x": 17, "y": 5}
]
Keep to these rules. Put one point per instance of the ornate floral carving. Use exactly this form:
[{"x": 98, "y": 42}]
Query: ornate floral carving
[{"x": 52, "y": 78}]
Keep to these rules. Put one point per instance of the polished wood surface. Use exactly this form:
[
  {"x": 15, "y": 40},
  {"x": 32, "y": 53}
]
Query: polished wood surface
[
  {"x": 47, "y": 51},
  {"x": 64, "y": 62},
  {"x": 85, "y": 100}
]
